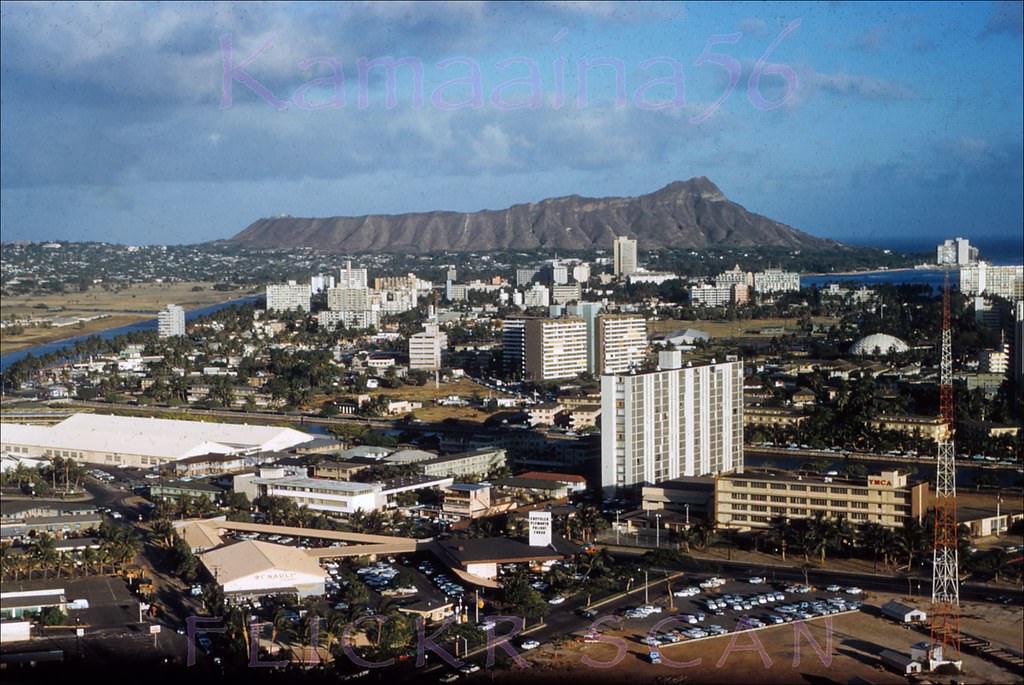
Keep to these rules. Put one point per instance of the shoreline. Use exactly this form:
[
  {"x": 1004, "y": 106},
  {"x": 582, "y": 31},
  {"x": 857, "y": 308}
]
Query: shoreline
[{"x": 869, "y": 272}]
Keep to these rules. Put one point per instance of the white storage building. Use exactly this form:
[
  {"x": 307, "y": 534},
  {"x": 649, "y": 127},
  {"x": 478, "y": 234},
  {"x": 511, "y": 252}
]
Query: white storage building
[
  {"x": 142, "y": 442},
  {"x": 903, "y": 613}
]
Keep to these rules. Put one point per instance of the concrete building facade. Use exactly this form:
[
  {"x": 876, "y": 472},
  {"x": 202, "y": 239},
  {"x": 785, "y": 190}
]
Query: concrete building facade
[
  {"x": 621, "y": 343},
  {"x": 555, "y": 348},
  {"x": 675, "y": 422},
  {"x": 170, "y": 321},
  {"x": 287, "y": 297},
  {"x": 624, "y": 257}
]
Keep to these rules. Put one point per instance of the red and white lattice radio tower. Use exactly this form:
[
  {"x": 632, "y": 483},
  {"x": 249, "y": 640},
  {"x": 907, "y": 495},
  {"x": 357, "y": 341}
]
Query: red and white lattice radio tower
[{"x": 945, "y": 628}]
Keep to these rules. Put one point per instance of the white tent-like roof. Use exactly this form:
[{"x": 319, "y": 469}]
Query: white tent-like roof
[{"x": 164, "y": 438}]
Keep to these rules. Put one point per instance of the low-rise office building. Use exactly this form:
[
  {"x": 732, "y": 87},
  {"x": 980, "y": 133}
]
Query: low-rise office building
[
  {"x": 751, "y": 500},
  {"x": 253, "y": 569}
]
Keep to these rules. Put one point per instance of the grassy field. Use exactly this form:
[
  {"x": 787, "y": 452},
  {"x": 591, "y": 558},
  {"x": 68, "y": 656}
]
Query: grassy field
[
  {"x": 731, "y": 329},
  {"x": 134, "y": 303}
]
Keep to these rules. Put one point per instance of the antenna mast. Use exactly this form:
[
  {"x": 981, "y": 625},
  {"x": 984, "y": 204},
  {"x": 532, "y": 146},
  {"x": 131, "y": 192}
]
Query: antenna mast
[{"x": 945, "y": 627}]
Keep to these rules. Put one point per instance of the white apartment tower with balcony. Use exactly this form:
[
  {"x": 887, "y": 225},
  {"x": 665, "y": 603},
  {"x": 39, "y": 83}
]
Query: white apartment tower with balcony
[
  {"x": 671, "y": 423},
  {"x": 555, "y": 348},
  {"x": 170, "y": 321},
  {"x": 290, "y": 296},
  {"x": 624, "y": 256},
  {"x": 621, "y": 343}
]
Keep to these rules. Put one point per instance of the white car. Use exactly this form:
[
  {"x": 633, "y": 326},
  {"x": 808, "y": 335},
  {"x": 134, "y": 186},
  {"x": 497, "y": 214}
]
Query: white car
[
  {"x": 756, "y": 580},
  {"x": 556, "y": 600},
  {"x": 854, "y": 591},
  {"x": 833, "y": 588},
  {"x": 530, "y": 644}
]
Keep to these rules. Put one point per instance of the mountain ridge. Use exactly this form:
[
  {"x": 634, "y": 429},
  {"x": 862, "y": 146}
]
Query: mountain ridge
[{"x": 690, "y": 214}]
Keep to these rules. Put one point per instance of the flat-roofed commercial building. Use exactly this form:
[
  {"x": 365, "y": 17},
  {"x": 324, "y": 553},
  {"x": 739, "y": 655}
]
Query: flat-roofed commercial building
[
  {"x": 753, "y": 499},
  {"x": 472, "y": 463},
  {"x": 621, "y": 343},
  {"x": 339, "y": 496},
  {"x": 924, "y": 427},
  {"x": 467, "y": 500},
  {"x": 679, "y": 421},
  {"x": 555, "y": 348}
]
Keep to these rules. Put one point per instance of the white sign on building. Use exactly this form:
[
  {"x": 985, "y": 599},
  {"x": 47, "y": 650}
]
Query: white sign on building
[{"x": 540, "y": 528}]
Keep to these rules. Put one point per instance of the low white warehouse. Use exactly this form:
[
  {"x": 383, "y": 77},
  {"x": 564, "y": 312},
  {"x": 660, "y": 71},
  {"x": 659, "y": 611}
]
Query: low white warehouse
[{"x": 142, "y": 442}]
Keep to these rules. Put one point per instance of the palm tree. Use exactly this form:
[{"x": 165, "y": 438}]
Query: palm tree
[
  {"x": 163, "y": 533},
  {"x": 912, "y": 540}
]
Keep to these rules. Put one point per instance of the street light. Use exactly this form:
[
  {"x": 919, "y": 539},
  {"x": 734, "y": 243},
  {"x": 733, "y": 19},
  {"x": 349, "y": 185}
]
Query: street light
[
  {"x": 657, "y": 530},
  {"x": 687, "y": 505}
]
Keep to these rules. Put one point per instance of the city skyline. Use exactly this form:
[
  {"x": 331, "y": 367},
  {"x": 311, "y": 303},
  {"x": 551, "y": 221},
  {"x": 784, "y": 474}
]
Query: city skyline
[{"x": 184, "y": 123}]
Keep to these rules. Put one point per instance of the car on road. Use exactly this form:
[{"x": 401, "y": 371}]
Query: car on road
[
  {"x": 654, "y": 657},
  {"x": 448, "y": 678},
  {"x": 833, "y": 588},
  {"x": 529, "y": 644},
  {"x": 556, "y": 600},
  {"x": 756, "y": 580},
  {"x": 854, "y": 591},
  {"x": 470, "y": 668}
]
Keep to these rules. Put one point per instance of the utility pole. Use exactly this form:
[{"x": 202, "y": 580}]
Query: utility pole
[{"x": 945, "y": 627}]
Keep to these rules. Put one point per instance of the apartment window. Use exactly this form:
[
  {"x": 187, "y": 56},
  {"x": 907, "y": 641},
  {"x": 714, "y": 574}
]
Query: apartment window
[
  {"x": 759, "y": 498},
  {"x": 859, "y": 505},
  {"x": 742, "y": 484},
  {"x": 818, "y": 502},
  {"x": 840, "y": 504},
  {"x": 839, "y": 491},
  {"x": 779, "y": 510},
  {"x": 819, "y": 488},
  {"x": 759, "y": 485},
  {"x": 758, "y": 507},
  {"x": 776, "y": 498},
  {"x": 778, "y": 486},
  {"x": 739, "y": 517},
  {"x": 860, "y": 492},
  {"x": 798, "y": 488}
]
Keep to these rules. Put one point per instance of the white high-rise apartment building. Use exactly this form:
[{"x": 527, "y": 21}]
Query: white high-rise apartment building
[
  {"x": 287, "y": 297},
  {"x": 349, "y": 299},
  {"x": 624, "y": 250},
  {"x": 676, "y": 422},
  {"x": 956, "y": 251},
  {"x": 320, "y": 283},
  {"x": 555, "y": 348},
  {"x": 352, "y": 278},
  {"x": 621, "y": 343},
  {"x": 986, "y": 279},
  {"x": 170, "y": 321},
  {"x": 427, "y": 348},
  {"x": 537, "y": 296},
  {"x": 776, "y": 281}
]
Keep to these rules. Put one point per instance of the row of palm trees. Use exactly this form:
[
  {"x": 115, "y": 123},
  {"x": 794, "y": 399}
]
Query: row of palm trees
[
  {"x": 898, "y": 548},
  {"x": 41, "y": 559}
]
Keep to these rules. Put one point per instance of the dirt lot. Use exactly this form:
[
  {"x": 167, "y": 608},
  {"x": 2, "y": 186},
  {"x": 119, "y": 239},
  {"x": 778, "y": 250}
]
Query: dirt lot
[
  {"x": 427, "y": 394},
  {"x": 772, "y": 656},
  {"x": 731, "y": 329}
]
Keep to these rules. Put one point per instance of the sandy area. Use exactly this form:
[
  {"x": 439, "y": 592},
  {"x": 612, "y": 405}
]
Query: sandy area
[{"x": 772, "y": 656}]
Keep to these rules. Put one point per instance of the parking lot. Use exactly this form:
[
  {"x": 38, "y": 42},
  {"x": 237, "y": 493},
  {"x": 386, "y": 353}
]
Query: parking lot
[{"x": 714, "y": 606}]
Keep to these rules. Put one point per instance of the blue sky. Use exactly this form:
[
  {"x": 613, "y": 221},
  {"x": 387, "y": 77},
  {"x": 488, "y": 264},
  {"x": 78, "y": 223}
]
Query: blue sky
[{"x": 132, "y": 123}]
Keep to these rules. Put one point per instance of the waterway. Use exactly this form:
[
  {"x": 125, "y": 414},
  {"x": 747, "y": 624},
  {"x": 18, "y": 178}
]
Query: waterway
[
  {"x": 930, "y": 277},
  {"x": 146, "y": 325},
  {"x": 965, "y": 474}
]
